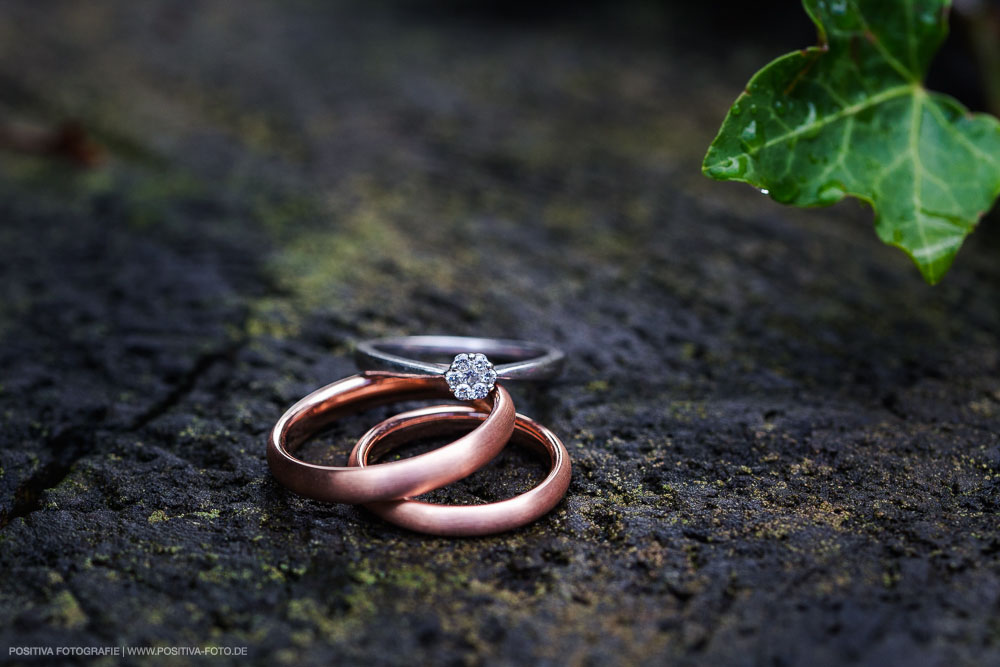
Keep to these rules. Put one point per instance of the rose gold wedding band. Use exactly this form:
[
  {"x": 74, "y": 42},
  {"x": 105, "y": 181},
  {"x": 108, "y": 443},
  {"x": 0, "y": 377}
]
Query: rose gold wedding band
[
  {"x": 397, "y": 479},
  {"x": 464, "y": 520}
]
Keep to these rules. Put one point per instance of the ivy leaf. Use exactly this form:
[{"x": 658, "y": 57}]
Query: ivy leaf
[{"x": 851, "y": 117}]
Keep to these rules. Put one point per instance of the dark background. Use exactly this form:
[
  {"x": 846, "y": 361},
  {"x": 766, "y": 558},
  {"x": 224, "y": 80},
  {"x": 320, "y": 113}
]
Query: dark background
[{"x": 785, "y": 443}]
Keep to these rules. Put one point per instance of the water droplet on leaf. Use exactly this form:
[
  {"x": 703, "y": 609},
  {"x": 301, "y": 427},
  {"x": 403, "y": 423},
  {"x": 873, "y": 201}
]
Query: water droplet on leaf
[
  {"x": 734, "y": 167},
  {"x": 810, "y": 128},
  {"x": 784, "y": 191},
  {"x": 751, "y": 137},
  {"x": 830, "y": 192}
]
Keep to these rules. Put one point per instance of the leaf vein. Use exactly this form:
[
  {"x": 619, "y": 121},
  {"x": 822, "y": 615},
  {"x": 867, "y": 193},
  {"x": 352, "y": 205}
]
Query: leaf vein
[
  {"x": 948, "y": 126},
  {"x": 880, "y": 47},
  {"x": 885, "y": 96}
]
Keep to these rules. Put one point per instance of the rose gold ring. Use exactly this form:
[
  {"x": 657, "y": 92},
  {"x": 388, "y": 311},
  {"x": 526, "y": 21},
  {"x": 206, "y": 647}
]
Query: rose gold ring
[
  {"x": 467, "y": 520},
  {"x": 388, "y": 481}
]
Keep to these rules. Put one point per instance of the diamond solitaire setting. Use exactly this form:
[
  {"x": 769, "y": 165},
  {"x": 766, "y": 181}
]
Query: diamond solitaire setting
[{"x": 471, "y": 376}]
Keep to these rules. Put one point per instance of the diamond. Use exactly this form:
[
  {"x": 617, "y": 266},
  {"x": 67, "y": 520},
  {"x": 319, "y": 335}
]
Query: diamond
[{"x": 471, "y": 376}]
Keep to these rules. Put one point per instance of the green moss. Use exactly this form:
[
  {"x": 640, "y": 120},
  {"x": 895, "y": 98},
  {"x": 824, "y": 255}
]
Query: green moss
[
  {"x": 157, "y": 516},
  {"x": 598, "y": 386},
  {"x": 319, "y": 620},
  {"x": 366, "y": 577},
  {"x": 66, "y": 611},
  {"x": 273, "y": 573},
  {"x": 688, "y": 351},
  {"x": 150, "y": 198},
  {"x": 169, "y": 549},
  {"x": 413, "y": 578},
  {"x": 221, "y": 575},
  {"x": 273, "y": 318},
  {"x": 282, "y": 215},
  {"x": 288, "y": 657},
  {"x": 349, "y": 249}
]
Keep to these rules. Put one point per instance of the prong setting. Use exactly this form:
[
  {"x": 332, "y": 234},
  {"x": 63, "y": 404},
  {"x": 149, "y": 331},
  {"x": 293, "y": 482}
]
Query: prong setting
[{"x": 471, "y": 376}]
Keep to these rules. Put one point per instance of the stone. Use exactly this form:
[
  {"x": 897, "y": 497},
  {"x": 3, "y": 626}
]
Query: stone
[{"x": 786, "y": 447}]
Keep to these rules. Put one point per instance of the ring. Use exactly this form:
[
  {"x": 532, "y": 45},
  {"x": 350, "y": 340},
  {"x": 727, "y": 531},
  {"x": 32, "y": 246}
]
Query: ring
[
  {"x": 464, "y": 520},
  {"x": 388, "y": 481},
  {"x": 471, "y": 374}
]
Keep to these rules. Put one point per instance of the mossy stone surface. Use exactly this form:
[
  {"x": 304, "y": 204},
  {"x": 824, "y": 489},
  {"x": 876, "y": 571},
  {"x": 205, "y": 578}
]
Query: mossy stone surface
[{"x": 786, "y": 446}]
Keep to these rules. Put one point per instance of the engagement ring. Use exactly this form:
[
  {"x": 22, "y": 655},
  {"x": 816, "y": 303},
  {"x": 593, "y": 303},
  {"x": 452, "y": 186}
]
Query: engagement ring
[{"x": 471, "y": 374}]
